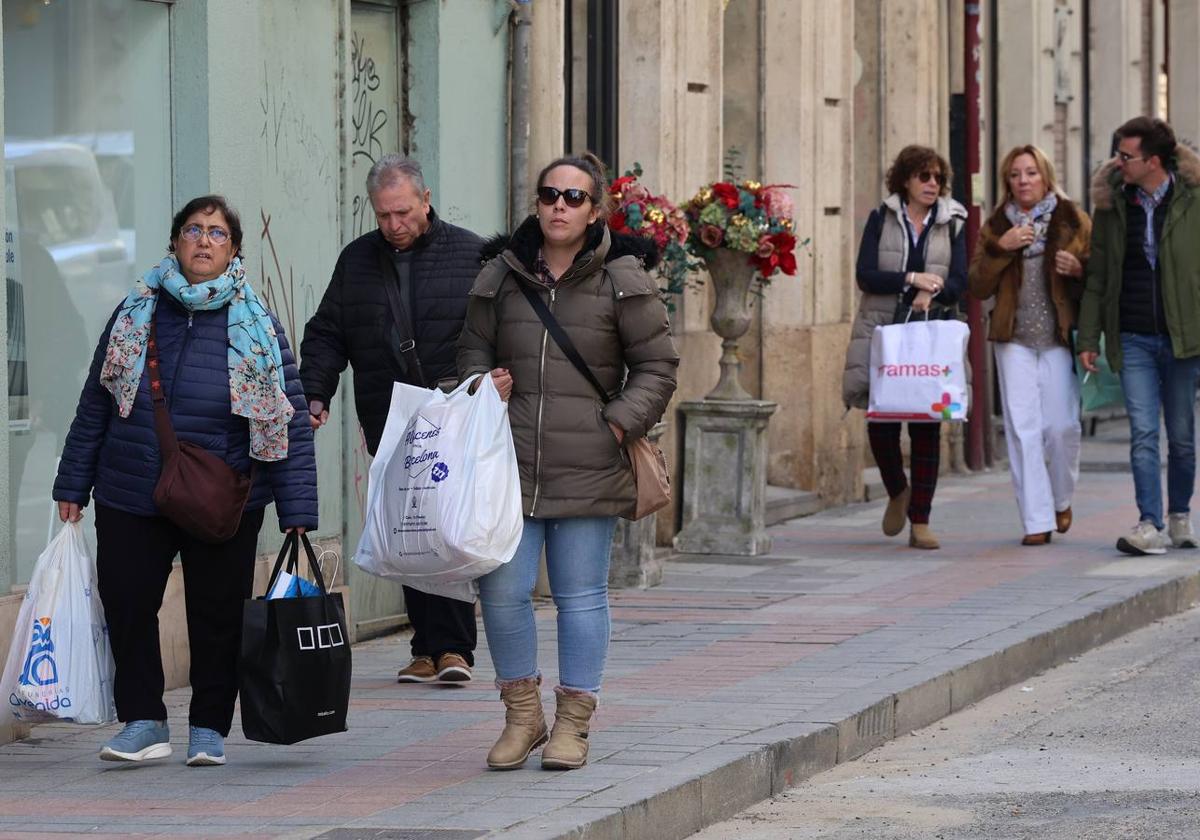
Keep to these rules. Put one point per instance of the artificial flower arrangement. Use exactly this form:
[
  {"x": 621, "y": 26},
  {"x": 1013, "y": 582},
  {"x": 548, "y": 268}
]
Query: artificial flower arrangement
[
  {"x": 745, "y": 216},
  {"x": 641, "y": 213}
]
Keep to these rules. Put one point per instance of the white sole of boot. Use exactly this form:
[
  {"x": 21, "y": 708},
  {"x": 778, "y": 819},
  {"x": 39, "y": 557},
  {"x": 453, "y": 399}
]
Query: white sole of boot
[{"x": 145, "y": 754}]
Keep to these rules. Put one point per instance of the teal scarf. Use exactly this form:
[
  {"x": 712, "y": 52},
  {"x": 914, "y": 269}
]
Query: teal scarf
[{"x": 256, "y": 383}]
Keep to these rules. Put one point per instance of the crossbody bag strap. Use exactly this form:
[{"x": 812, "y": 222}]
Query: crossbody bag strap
[
  {"x": 167, "y": 442},
  {"x": 397, "y": 293},
  {"x": 562, "y": 339}
]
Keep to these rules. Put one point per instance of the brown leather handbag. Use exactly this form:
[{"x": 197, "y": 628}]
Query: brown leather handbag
[{"x": 196, "y": 490}]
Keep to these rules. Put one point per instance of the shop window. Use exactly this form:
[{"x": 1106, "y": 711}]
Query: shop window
[{"x": 87, "y": 208}]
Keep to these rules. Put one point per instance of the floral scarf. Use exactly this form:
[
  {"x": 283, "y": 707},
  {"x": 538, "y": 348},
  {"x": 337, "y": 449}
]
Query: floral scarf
[
  {"x": 256, "y": 383},
  {"x": 1039, "y": 217}
]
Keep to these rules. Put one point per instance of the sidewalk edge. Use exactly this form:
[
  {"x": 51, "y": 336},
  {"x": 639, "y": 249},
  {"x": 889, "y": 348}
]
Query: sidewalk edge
[{"x": 731, "y": 777}]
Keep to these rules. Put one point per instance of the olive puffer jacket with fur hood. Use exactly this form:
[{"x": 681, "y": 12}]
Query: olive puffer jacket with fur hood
[{"x": 570, "y": 461}]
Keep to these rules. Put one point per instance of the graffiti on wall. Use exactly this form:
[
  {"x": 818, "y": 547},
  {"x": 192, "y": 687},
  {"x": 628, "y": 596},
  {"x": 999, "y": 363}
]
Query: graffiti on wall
[
  {"x": 279, "y": 288},
  {"x": 296, "y": 154},
  {"x": 368, "y": 119}
]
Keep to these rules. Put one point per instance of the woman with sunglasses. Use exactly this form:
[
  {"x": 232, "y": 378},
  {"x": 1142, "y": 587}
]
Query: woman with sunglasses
[
  {"x": 913, "y": 257},
  {"x": 575, "y": 475},
  {"x": 1030, "y": 258},
  {"x": 194, "y": 330}
]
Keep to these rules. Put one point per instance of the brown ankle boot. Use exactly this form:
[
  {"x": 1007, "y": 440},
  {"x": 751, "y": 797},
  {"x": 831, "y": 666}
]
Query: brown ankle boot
[
  {"x": 896, "y": 513},
  {"x": 524, "y": 725},
  {"x": 568, "y": 746}
]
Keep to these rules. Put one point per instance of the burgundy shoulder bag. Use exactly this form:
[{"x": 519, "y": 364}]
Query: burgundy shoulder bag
[{"x": 196, "y": 490}]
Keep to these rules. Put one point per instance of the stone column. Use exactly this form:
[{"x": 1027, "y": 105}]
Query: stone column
[
  {"x": 634, "y": 562},
  {"x": 724, "y": 493}
]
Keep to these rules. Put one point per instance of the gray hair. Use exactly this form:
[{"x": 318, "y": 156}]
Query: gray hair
[{"x": 391, "y": 168}]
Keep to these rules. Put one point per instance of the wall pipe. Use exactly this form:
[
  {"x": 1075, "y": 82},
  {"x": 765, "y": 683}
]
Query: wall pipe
[
  {"x": 518, "y": 125},
  {"x": 978, "y": 415}
]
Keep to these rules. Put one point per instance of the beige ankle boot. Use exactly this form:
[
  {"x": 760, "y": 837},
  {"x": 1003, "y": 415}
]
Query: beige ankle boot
[
  {"x": 896, "y": 513},
  {"x": 524, "y": 725},
  {"x": 568, "y": 746},
  {"x": 921, "y": 537}
]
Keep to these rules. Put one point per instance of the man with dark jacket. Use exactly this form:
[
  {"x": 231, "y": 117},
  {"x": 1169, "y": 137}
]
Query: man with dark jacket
[
  {"x": 393, "y": 310},
  {"x": 1143, "y": 294}
]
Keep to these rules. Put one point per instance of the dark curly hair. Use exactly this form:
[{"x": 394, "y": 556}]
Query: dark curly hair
[
  {"x": 913, "y": 160},
  {"x": 207, "y": 204}
]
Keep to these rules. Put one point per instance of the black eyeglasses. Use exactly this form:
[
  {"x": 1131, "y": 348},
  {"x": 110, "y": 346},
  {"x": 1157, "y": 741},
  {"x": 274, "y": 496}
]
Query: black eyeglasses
[
  {"x": 573, "y": 197},
  {"x": 1126, "y": 157},
  {"x": 924, "y": 177}
]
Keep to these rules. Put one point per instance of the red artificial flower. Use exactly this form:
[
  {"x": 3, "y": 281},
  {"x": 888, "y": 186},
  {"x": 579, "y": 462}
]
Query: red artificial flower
[
  {"x": 727, "y": 194},
  {"x": 616, "y": 222},
  {"x": 618, "y": 186},
  {"x": 765, "y": 247},
  {"x": 711, "y": 235}
]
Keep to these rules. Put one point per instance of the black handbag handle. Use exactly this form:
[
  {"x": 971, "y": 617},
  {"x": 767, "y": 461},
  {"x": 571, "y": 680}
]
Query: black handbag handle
[
  {"x": 291, "y": 550},
  {"x": 562, "y": 339}
]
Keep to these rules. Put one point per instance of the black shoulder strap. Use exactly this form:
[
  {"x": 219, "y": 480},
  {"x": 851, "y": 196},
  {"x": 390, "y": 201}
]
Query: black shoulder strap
[
  {"x": 561, "y": 338},
  {"x": 398, "y": 292}
]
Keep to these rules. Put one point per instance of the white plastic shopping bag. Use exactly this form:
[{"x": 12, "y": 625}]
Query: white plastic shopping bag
[
  {"x": 60, "y": 664},
  {"x": 918, "y": 372},
  {"x": 444, "y": 494}
]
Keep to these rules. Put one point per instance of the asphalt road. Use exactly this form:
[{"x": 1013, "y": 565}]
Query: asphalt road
[{"x": 1104, "y": 747}]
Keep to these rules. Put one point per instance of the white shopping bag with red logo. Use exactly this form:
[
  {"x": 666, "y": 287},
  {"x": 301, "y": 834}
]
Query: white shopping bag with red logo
[
  {"x": 919, "y": 372},
  {"x": 60, "y": 664},
  {"x": 444, "y": 494}
]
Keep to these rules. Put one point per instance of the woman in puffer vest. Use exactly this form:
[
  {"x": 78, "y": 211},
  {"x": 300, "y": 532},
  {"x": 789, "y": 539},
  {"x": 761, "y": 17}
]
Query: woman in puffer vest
[
  {"x": 575, "y": 475},
  {"x": 1030, "y": 258},
  {"x": 913, "y": 255}
]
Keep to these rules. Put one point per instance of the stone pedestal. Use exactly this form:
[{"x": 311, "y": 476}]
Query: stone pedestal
[
  {"x": 634, "y": 564},
  {"x": 724, "y": 493}
]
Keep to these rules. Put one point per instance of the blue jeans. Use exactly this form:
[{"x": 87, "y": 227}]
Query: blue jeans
[
  {"x": 577, "y": 557},
  {"x": 1151, "y": 376}
]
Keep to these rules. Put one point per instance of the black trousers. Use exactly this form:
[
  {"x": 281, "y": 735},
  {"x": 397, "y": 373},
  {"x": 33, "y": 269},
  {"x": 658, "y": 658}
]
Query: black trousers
[
  {"x": 134, "y": 555},
  {"x": 441, "y": 625}
]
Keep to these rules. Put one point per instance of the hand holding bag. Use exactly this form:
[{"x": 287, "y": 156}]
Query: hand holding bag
[
  {"x": 196, "y": 490},
  {"x": 295, "y": 659},
  {"x": 649, "y": 465}
]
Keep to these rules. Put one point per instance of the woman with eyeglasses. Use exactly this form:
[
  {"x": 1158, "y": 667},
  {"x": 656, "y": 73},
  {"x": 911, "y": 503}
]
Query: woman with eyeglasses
[
  {"x": 1030, "y": 258},
  {"x": 913, "y": 257},
  {"x": 193, "y": 329},
  {"x": 575, "y": 476}
]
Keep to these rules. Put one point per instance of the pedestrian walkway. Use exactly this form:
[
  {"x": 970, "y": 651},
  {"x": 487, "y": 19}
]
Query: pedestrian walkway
[{"x": 734, "y": 679}]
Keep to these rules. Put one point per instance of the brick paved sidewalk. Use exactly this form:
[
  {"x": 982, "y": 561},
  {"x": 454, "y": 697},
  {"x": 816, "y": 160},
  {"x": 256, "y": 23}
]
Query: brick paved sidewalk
[{"x": 734, "y": 678}]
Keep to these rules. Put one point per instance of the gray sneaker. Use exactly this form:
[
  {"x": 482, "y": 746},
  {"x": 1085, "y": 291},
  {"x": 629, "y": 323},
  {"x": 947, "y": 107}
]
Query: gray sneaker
[
  {"x": 1144, "y": 539},
  {"x": 138, "y": 741},
  {"x": 1179, "y": 526}
]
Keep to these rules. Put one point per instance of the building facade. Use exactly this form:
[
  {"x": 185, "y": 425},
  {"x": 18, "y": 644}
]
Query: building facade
[{"x": 115, "y": 112}]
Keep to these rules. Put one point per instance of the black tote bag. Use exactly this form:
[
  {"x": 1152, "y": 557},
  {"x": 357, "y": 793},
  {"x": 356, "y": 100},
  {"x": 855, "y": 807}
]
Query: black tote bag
[{"x": 295, "y": 660}]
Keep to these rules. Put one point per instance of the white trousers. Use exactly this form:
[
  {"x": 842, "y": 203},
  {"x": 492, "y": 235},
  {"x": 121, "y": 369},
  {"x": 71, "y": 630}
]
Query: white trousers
[{"x": 1040, "y": 399}]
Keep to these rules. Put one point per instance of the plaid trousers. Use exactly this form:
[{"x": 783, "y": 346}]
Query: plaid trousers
[{"x": 925, "y": 458}]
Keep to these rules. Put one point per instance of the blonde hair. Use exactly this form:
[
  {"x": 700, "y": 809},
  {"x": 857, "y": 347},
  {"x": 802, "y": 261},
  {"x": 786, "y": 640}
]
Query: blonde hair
[{"x": 1043, "y": 164}]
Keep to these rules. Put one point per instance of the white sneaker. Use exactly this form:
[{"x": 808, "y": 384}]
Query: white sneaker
[
  {"x": 1179, "y": 526},
  {"x": 1144, "y": 539}
]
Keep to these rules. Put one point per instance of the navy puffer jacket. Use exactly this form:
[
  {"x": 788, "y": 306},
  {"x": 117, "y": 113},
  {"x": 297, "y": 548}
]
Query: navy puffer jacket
[{"x": 117, "y": 459}]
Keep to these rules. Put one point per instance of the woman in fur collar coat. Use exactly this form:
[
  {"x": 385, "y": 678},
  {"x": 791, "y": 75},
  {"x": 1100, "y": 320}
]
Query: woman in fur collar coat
[
  {"x": 1030, "y": 258},
  {"x": 576, "y": 477}
]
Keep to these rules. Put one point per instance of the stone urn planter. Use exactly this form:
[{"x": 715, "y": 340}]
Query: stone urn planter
[{"x": 732, "y": 277}]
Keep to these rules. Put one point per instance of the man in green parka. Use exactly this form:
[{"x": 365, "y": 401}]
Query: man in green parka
[{"x": 1143, "y": 294}]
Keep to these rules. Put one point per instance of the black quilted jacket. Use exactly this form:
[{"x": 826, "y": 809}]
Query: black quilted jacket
[{"x": 354, "y": 322}]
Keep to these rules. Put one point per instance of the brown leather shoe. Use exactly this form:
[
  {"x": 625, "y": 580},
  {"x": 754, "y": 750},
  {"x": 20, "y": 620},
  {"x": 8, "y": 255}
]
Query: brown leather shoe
[
  {"x": 568, "y": 746},
  {"x": 1036, "y": 539},
  {"x": 921, "y": 537},
  {"x": 524, "y": 725},
  {"x": 420, "y": 670},
  {"x": 1062, "y": 521},
  {"x": 453, "y": 668},
  {"x": 896, "y": 513}
]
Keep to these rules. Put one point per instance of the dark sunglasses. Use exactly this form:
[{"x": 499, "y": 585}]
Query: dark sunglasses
[
  {"x": 573, "y": 197},
  {"x": 926, "y": 175}
]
